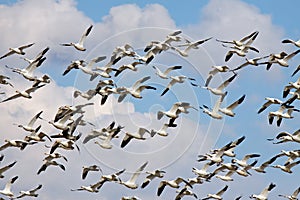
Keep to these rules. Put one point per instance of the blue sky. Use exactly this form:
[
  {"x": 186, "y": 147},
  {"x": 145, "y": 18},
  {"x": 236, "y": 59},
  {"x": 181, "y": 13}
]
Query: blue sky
[{"x": 136, "y": 23}]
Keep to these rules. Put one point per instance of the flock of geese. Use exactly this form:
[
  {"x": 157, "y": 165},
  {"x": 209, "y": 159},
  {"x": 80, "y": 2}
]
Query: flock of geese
[{"x": 221, "y": 163}]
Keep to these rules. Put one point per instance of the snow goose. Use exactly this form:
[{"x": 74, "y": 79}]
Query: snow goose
[
  {"x": 217, "y": 195},
  {"x": 131, "y": 183},
  {"x": 280, "y": 114},
  {"x": 215, "y": 157},
  {"x": 38, "y": 137},
  {"x": 88, "y": 68},
  {"x": 189, "y": 45},
  {"x": 164, "y": 74},
  {"x": 185, "y": 192},
  {"x": 264, "y": 194},
  {"x": 93, "y": 188},
  {"x": 242, "y": 41},
  {"x": 243, "y": 162},
  {"x": 244, "y": 171},
  {"x": 290, "y": 41},
  {"x": 287, "y": 167},
  {"x": 15, "y": 143},
  {"x": 203, "y": 171},
  {"x": 263, "y": 166},
  {"x": 80, "y": 44},
  {"x": 220, "y": 88},
  {"x": 70, "y": 110},
  {"x": 5, "y": 168},
  {"x": 214, "y": 71},
  {"x": 136, "y": 89},
  {"x": 269, "y": 102},
  {"x": 151, "y": 175},
  {"x": 106, "y": 140},
  {"x": 292, "y": 155},
  {"x": 227, "y": 176},
  {"x": 162, "y": 131},
  {"x": 281, "y": 61},
  {"x": 30, "y": 193},
  {"x": 293, "y": 196},
  {"x": 110, "y": 178},
  {"x": 7, "y": 189},
  {"x": 229, "y": 148},
  {"x": 87, "y": 169},
  {"x": 25, "y": 94},
  {"x": 129, "y": 136},
  {"x": 29, "y": 126},
  {"x": 214, "y": 112},
  {"x": 130, "y": 66},
  {"x": 240, "y": 51},
  {"x": 51, "y": 156},
  {"x": 130, "y": 198},
  {"x": 291, "y": 85},
  {"x": 4, "y": 81},
  {"x": 286, "y": 137},
  {"x": 253, "y": 61},
  {"x": 172, "y": 183},
  {"x": 18, "y": 50},
  {"x": 74, "y": 65},
  {"x": 47, "y": 163},
  {"x": 229, "y": 109},
  {"x": 61, "y": 123},
  {"x": 175, "y": 79},
  {"x": 87, "y": 95}
]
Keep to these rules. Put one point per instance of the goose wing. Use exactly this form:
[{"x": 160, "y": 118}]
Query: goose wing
[{"x": 85, "y": 34}]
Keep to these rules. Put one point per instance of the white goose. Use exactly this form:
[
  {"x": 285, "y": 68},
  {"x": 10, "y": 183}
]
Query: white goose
[
  {"x": 288, "y": 137},
  {"x": 293, "y": 196},
  {"x": 263, "y": 166},
  {"x": 253, "y": 61},
  {"x": 4, "y": 81},
  {"x": 281, "y": 61},
  {"x": 151, "y": 175},
  {"x": 15, "y": 143},
  {"x": 87, "y": 169},
  {"x": 7, "y": 189},
  {"x": 87, "y": 95},
  {"x": 5, "y": 168},
  {"x": 18, "y": 50},
  {"x": 175, "y": 79},
  {"x": 229, "y": 109},
  {"x": 30, "y": 193},
  {"x": 129, "y": 136},
  {"x": 240, "y": 42},
  {"x": 217, "y": 195},
  {"x": 287, "y": 167},
  {"x": 25, "y": 94},
  {"x": 243, "y": 162},
  {"x": 47, "y": 163},
  {"x": 66, "y": 144},
  {"x": 131, "y": 66},
  {"x": 290, "y": 41},
  {"x": 214, "y": 112},
  {"x": 291, "y": 85},
  {"x": 220, "y": 88},
  {"x": 29, "y": 126},
  {"x": 264, "y": 194},
  {"x": 93, "y": 188},
  {"x": 88, "y": 69},
  {"x": 80, "y": 44},
  {"x": 172, "y": 183},
  {"x": 189, "y": 45},
  {"x": 164, "y": 74},
  {"x": 216, "y": 69},
  {"x": 244, "y": 171},
  {"x": 203, "y": 171},
  {"x": 269, "y": 102},
  {"x": 131, "y": 183},
  {"x": 280, "y": 114}
]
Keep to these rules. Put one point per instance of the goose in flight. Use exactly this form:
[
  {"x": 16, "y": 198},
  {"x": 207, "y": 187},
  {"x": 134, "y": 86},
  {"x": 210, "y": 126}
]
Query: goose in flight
[
  {"x": 253, "y": 62},
  {"x": 87, "y": 169},
  {"x": 175, "y": 79},
  {"x": 287, "y": 167},
  {"x": 130, "y": 66},
  {"x": 290, "y": 41},
  {"x": 215, "y": 157},
  {"x": 3, "y": 80},
  {"x": 242, "y": 41},
  {"x": 29, "y": 126},
  {"x": 25, "y": 94},
  {"x": 216, "y": 69},
  {"x": 288, "y": 137},
  {"x": 217, "y": 195},
  {"x": 131, "y": 183},
  {"x": 229, "y": 148},
  {"x": 281, "y": 61},
  {"x": 214, "y": 112},
  {"x": 269, "y": 102},
  {"x": 203, "y": 173},
  {"x": 243, "y": 162},
  {"x": 164, "y": 74},
  {"x": 135, "y": 90},
  {"x": 110, "y": 178},
  {"x": 91, "y": 188},
  {"x": 185, "y": 192},
  {"x": 229, "y": 109},
  {"x": 228, "y": 175},
  {"x": 151, "y": 175},
  {"x": 292, "y": 155},
  {"x": 291, "y": 85},
  {"x": 280, "y": 114},
  {"x": 293, "y": 196},
  {"x": 88, "y": 68},
  {"x": 51, "y": 156},
  {"x": 30, "y": 193},
  {"x": 47, "y": 163},
  {"x": 7, "y": 189},
  {"x": 5, "y": 168},
  {"x": 130, "y": 198},
  {"x": 263, "y": 166},
  {"x": 172, "y": 183},
  {"x": 70, "y": 110},
  {"x": 15, "y": 143},
  {"x": 38, "y": 137},
  {"x": 87, "y": 95},
  {"x": 189, "y": 45},
  {"x": 139, "y": 136},
  {"x": 66, "y": 144},
  {"x": 74, "y": 65},
  {"x": 162, "y": 131},
  {"x": 18, "y": 50},
  {"x": 80, "y": 44},
  {"x": 220, "y": 88},
  {"x": 244, "y": 171},
  {"x": 264, "y": 194}
]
